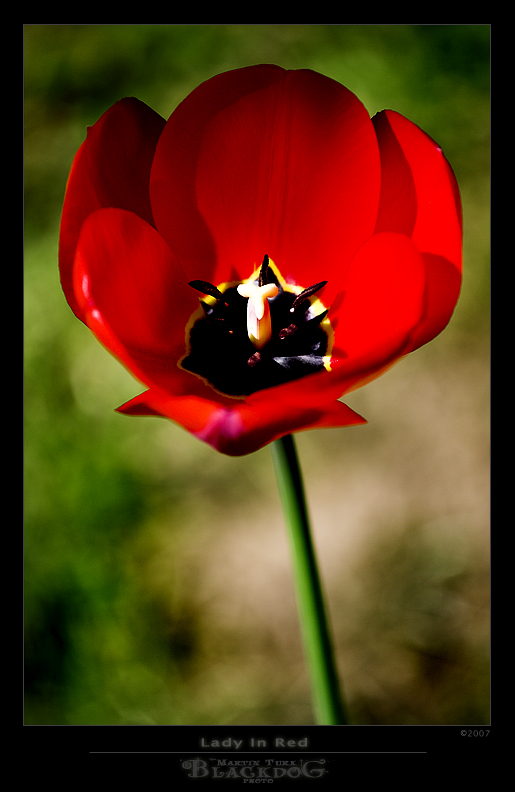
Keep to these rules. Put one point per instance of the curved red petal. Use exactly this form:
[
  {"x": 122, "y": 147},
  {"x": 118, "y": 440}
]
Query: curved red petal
[
  {"x": 438, "y": 227},
  {"x": 398, "y": 202},
  {"x": 381, "y": 299},
  {"x": 192, "y": 411},
  {"x": 111, "y": 168},
  {"x": 133, "y": 294},
  {"x": 244, "y": 428},
  {"x": 262, "y": 160},
  {"x": 437, "y": 232},
  {"x": 443, "y": 285}
]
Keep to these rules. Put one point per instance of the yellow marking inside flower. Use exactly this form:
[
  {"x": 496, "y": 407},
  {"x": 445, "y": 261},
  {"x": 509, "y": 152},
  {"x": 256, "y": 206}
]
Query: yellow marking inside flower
[{"x": 259, "y": 323}]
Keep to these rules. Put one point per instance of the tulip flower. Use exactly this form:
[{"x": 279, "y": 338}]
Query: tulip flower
[
  {"x": 251, "y": 260},
  {"x": 260, "y": 173}
]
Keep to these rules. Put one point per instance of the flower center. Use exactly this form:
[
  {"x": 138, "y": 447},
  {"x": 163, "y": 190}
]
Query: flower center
[{"x": 253, "y": 335}]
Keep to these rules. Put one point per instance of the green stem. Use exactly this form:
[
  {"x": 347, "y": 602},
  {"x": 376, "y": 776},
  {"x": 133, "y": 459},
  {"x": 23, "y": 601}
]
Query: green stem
[{"x": 317, "y": 643}]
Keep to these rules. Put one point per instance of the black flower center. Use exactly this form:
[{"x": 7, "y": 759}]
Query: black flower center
[{"x": 295, "y": 337}]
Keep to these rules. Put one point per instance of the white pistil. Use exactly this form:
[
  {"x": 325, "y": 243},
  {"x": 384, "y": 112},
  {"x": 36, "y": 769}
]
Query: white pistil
[{"x": 259, "y": 323}]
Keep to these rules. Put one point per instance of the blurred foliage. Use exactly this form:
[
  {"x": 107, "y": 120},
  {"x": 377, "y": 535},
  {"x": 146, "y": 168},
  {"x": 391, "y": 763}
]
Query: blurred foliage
[{"x": 157, "y": 582}]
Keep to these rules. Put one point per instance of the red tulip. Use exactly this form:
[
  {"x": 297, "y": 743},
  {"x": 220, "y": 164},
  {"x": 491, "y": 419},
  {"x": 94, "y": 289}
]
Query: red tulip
[{"x": 273, "y": 181}]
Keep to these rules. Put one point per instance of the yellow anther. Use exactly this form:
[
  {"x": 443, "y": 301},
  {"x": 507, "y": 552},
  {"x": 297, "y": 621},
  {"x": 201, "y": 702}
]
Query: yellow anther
[{"x": 259, "y": 324}]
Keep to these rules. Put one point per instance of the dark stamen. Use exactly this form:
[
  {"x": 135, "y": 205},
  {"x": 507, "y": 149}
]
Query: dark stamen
[
  {"x": 207, "y": 288},
  {"x": 254, "y": 359},
  {"x": 305, "y": 294},
  {"x": 287, "y": 331},
  {"x": 263, "y": 272}
]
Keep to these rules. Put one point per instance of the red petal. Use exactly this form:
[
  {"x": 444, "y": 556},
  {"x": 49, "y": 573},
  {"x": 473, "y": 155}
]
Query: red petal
[
  {"x": 111, "y": 168},
  {"x": 443, "y": 284},
  {"x": 437, "y": 232},
  {"x": 381, "y": 299},
  {"x": 243, "y": 428},
  {"x": 192, "y": 412},
  {"x": 438, "y": 228},
  {"x": 262, "y": 160},
  {"x": 246, "y": 429},
  {"x": 134, "y": 296},
  {"x": 398, "y": 201}
]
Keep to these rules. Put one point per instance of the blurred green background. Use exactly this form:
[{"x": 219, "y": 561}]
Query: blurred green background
[{"x": 157, "y": 572}]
